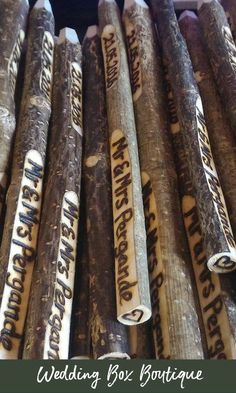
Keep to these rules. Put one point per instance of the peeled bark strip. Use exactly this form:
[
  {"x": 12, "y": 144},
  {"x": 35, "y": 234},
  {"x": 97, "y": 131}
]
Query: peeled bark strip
[
  {"x": 80, "y": 342},
  {"x": 230, "y": 11},
  {"x": 141, "y": 341},
  {"x": 175, "y": 322},
  {"x": 132, "y": 284},
  {"x": 109, "y": 337},
  {"x": 48, "y": 322},
  {"x": 220, "y": 343},
  {"x": 18, "y": 249},
  {"x": 222, "y": 53},
  {"x": 221, "y": 137},
  {"x": 13, "y": 20},
  {"x": 218, "y": 237}
]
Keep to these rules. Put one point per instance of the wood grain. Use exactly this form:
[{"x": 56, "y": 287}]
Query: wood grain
[
  {"x": 132, "y": 283},
  {"x": 18, "y": 248},
  {"x": 48, "y": 323},
  {"x": 218, "y": 341},
  {"x": 109, "y": 337},
  {"x": 175, "y": 322},
  {"x": 230, "y": 11},
  {"x": 13, "y": 21},
  {"x": 222, "y": 54},
  {"x": 215, "y": 225}
]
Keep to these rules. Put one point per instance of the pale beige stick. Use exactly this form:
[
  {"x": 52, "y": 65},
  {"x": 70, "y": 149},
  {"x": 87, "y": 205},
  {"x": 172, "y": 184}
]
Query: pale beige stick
[
  {"x": 169, "y": 259},
  {"x": 132, "y": 283}
]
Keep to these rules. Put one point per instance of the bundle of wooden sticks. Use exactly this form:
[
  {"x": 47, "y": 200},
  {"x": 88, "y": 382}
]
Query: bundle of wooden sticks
[{"x": 118, "y": 183}]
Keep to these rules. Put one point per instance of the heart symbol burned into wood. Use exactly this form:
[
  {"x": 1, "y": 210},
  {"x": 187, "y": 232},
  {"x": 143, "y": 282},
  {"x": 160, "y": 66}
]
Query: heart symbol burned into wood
[{"x": 136, "y": 314}]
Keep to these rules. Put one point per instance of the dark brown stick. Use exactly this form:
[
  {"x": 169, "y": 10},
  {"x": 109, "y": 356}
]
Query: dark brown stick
[
  {"x": 13, "y": 20},
  {"x": 230, "y": 11},
  {"x": 218, "y": 237},
  {"x": 141, "y": 341},
  {"x": 18, "y": 249},
  {"x": 169, "y": 260},
  {"x": 132, "y": 283},
  {"x": 48, "y": 323},
  {"x": 80, "y": 343},
  {"x": 109, "y": 337},
  {"x": 221, "y": 52}
]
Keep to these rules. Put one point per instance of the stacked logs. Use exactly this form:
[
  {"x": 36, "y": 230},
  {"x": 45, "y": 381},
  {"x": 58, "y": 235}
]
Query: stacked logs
[{"x": 120, "y": 211}]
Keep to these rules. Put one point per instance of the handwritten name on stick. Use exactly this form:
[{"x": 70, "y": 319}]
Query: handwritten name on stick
[
  {"x": 111, "y": 53},
  {"x": 130, "y": 310},
  {"x": 76, "y": 97},
  {"x": 58, "y": 326},
  {"x": 22, "y": 255},
  {"x": 14, "y": 61},
  {"x": 224, "y": 261},
  {"x": 134, "y": 60},
  {"x": 216, "y": 323},
  {"x": 47, "y": 65},
  {"x": 156, "y": 272}
]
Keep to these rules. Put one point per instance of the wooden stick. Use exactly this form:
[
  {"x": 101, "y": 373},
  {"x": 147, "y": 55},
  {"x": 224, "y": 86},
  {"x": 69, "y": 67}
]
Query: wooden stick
[
  {"x": 216, "y": 328},
  {"x": 230, "y": 11},
  {"x": 229, "y": 298},
  {"x": 214, "y": 220},
  {"x": 109, "y": 337},
  {"x": 13, "y": 20},
  {"x": 221, "y": 52},
  {"x": 17, "y": 254},
  {"x": 141, "y": 341},
  {"x": 221, "y": 137},
  {"x": 174, "y": 336},
  {"x": 48, "y": 323},
  {"x": 80, "y": 343},
  {"x": 132, "y": 285}
]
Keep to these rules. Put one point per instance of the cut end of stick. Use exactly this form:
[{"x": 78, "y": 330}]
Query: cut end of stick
[
  {"x": 105, "y": 1},
  {"x": 130, "y": 3},
  {"x": 43, "y": 4},
  {"x": 115, "y": 355},
  {"x": 201, "y": 2},
  {"x": 187, "y": 14},
  {"x": 69, "y": 35},
  {"x": 92, "y": 31}
]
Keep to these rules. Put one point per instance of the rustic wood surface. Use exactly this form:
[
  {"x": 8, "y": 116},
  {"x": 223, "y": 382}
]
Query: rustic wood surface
[
  {"x": 222, "y": 53},
  {"x": 17, "y": 254},
  {"x": 109, "y": 337},
  {"x": 80, "y": 343},
  {"x": 229, "y": 298},
  {"x": 175, "y": 322},
  {"x": 214, "y": 220},
  {"x": 230, "y": 11},
  {"x": 132, "y": 283},
  {"x": 217, "y": 343},
  {"x": 141, "y": 341},
  {"x": 48, "y": 322},
  {"x": 221, "y": 136},
  {"x": 13, "y": 21}
]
